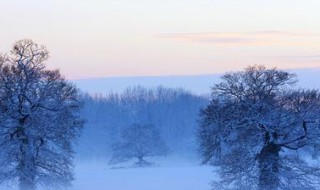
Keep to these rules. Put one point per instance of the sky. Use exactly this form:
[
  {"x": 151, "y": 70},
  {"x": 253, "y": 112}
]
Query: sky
[{"x": 110, "y": 38}]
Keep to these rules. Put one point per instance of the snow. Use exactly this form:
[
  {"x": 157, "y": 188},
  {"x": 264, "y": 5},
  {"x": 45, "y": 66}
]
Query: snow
[
  {"x": 169, "y": 173},
  {"x": 95, "y": 176}
]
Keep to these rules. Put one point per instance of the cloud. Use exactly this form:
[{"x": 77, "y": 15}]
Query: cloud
[{"x": 258, "y": 38}]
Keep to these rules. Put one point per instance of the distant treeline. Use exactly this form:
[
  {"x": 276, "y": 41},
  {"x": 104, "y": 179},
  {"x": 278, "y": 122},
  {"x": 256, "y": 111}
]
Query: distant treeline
[{"x": 173, "y": 111}]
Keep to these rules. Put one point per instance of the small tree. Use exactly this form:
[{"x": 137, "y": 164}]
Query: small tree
[
  {"x": 38, "y": 119},
  {"x": 257, "y": 131},
  {"x": 138, "y": 141}
]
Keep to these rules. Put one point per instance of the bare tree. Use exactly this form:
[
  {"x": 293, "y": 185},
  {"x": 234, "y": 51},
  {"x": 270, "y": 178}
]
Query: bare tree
[
  {"x": 257, "y": 130},
  {"x": 38, "y": 119},
  {"x": 138, "y": 141}
]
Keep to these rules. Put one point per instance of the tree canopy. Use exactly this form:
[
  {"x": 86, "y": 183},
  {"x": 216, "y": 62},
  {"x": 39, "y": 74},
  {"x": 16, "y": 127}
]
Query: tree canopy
[
  {"x": 138, "y": 141},
  {"x": 38, "y": 119},
  {"x": 258, "y": 131}
]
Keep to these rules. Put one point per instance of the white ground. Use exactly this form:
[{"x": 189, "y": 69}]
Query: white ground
[
  {"x": 94, "y": 176},
  {"x": 178, "y": 176}
]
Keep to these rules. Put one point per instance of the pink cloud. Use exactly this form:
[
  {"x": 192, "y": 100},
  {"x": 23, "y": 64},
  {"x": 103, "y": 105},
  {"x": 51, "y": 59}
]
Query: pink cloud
[{"x": 258, "y": 38}]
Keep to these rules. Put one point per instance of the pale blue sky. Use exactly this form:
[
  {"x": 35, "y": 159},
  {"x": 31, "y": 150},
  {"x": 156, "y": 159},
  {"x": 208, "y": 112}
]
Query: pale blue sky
[{"x": 98, "y": 38}]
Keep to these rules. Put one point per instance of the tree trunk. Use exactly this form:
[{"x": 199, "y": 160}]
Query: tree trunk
[
  {"x": 25, "y": 183},
  {"x": 26, "y": 168},
  {"x": 26, "y": 177},
  {"x": 141, "y": 162},
  {"x": 269, "y": 167}
]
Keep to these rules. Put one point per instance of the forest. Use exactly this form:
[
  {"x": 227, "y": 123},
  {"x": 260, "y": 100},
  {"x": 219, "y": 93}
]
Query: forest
[{"x": 173, "y": 112}]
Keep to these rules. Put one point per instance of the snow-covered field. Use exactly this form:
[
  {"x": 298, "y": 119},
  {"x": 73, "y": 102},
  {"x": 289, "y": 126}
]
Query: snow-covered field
[
  {"x": 176, "y": 175},
  {"x": 98, "y": 176}
]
